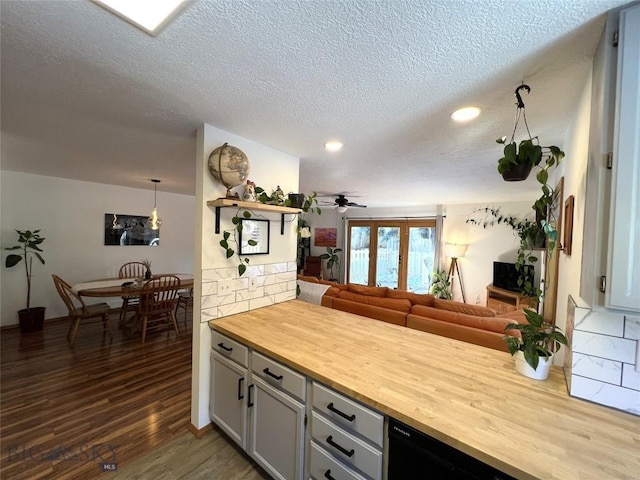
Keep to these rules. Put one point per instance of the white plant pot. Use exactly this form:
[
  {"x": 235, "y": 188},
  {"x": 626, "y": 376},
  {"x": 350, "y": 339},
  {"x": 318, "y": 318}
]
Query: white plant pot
[{"x": 540, "y": 373}]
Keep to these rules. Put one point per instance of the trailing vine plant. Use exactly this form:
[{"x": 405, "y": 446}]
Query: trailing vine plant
[
  {"x": 531, "y": 235},
  {"x": 230, "y": 238}
]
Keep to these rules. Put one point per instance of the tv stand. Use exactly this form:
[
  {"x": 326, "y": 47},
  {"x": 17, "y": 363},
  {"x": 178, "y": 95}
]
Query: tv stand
[{"x": 502, "y": 301}]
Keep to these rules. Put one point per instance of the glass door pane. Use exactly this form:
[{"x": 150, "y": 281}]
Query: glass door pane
[
  {"x": 388, "y": 257},
  {"x": 420, "y": 261},
  {"x": 359, "y": 240}
]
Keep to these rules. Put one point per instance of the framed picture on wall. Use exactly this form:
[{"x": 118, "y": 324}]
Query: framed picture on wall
[
  {"x": 254, "y": 237},
  {"x": 122, "y": 229},
  {"x": 325, "y": 237}
]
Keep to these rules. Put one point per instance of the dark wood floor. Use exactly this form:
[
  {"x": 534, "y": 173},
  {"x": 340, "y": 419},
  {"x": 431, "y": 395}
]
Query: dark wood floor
[{"x": 65, "y": 411}]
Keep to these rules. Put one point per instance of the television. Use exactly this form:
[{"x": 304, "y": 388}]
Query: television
[{"x": 506, "y": 276}]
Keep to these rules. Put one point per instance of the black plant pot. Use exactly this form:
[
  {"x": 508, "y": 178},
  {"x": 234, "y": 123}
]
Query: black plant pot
[
  {"x": 31, "y": 320},
  {"x": 517, "y": 173},
  {"x": 296, "y": 199},
  {"x": 147, "y": 275}
]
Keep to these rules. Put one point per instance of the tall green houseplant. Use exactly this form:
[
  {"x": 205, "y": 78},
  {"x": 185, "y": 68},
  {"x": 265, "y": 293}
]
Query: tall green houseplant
[
  {"x": 333, "y": 260},
  {"x": 30, "y": 245}
]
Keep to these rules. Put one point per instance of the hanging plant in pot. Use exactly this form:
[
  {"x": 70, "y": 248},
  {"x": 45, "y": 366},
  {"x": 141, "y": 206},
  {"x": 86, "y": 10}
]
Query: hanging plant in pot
[
  {"x": 519, "y": 159},
  {"x": 534, "y": 350},
  {"x": 31, "y": 319}
]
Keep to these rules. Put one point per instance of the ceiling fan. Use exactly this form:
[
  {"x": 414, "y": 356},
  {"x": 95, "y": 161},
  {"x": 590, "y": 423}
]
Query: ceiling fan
[{"x": 342, "y": 202}]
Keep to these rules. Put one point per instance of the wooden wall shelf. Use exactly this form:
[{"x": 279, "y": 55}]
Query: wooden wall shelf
[{"x": 230, "y": 202}]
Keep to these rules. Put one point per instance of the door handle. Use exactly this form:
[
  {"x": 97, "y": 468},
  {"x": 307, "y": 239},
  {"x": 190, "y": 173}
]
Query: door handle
[
  {"x": 240, "y": 395},
  {"x": 328, "y": 476},
  {"x": 249, "y": 402},
  {"x": 272, "y": 375},
  {"x": 225, "y": 348}
]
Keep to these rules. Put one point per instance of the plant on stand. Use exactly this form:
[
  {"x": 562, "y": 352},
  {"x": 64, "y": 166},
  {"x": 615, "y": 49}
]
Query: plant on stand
[
  {"x": 31, "y": 319},
  {"x": 539, "y": 341},
  {"x": 333, "y": 260}
]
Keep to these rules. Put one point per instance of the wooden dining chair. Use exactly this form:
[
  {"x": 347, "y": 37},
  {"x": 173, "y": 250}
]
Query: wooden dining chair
[
  {"x": 185, "y": 301},
  {"x": 79, "y": 311},
  {"x": 130, "y": 302},
  {"x": 157, "y": 304}
]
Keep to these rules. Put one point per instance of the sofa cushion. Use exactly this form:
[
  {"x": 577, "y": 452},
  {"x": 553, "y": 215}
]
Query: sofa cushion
[
  {"x": 307, "y": 278},
  {"x": 369, "y": 291},
  {"x": 384, "y": 314},
  {"x": 463, "y": 308},
  {"x": 491, "y": 324},
  {"x": 415, "y": 298},
  {"x": 516, "y": 316},
  {"x": 332, "y": 291},
  {"x": 399, "y": 304}
]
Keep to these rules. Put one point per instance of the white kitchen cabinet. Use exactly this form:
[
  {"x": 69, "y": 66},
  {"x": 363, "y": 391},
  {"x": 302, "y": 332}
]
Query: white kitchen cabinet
[
  {"x": 259, "y": 403},
  {"x": 277, "y": 431},
  {"x": 228, "y": 403},
  {"x": 624, "y": 252},
  {"x": 611, "y": 242}
]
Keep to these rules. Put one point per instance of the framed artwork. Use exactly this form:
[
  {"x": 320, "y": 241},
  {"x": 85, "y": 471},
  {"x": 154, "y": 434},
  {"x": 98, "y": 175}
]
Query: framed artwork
[
  {"x": 567, "y": 237},
  {"x": 121, "y": 229},
  {"x": 325, "y": 237},
  {"x": 254, "y": 237}
]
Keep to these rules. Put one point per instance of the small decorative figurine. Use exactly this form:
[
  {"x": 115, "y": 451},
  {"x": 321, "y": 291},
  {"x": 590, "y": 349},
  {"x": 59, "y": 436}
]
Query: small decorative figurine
[
  {"x": 278, "y": 195},
  {"x": 249, "y": 194}
]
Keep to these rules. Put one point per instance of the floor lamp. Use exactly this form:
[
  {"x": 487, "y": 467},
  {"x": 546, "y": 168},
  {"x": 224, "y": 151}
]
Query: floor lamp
[{"x": 455, "y": 251}]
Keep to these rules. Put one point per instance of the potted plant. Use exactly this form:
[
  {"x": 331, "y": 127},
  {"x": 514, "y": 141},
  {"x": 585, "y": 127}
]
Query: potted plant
[
  {"x": 518, "y": 160},
  {"x": 333, "y": 260},
  {"x": 147, "y": 265},
  {"x": 31, "y": 319},
  {"x": 534, "y": 350},
  {"x": 440, "y": 286}
]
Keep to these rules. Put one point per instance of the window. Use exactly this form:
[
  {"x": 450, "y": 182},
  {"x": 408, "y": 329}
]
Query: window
[{"x": 392, "y": 253}]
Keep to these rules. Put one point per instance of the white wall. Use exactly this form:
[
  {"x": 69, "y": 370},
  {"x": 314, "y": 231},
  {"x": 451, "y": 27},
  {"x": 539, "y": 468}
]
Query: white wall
[
  {"x": 275, "y": 273},
  {"x": 70, "y": 215}
]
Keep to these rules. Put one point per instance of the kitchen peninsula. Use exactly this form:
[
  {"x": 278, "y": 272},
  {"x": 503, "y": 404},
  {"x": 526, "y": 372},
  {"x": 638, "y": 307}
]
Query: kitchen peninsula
[{"x": 467, "y": 396}]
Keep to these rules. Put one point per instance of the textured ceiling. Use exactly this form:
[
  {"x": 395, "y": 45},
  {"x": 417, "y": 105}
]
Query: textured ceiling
[{"x": 87, "y": 96}]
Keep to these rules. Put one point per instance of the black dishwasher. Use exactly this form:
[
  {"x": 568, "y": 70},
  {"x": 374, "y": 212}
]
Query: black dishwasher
[{"x": 414, "y": 455}]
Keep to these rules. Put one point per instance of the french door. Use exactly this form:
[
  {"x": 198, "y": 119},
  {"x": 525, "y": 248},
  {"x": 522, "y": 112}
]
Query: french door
[{"x": 391, "y": 253}]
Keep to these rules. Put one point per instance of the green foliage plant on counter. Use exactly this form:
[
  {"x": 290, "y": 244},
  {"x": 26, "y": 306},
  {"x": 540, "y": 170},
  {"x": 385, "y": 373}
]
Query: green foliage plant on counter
[
  {"x": 226, "y": 242},
  {"x": 539, "y": 338},
  {"x": 30, "y": 242},
  {"x": 440, "y": 286}
]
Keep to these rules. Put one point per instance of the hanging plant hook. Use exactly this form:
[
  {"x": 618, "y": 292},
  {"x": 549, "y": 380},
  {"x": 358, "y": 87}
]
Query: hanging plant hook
[{"x": 518, "y": 97}]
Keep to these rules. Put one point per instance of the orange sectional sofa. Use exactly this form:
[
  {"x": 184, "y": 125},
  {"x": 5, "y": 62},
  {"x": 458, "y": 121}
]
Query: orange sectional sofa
[{"x": 469, "y": 323}]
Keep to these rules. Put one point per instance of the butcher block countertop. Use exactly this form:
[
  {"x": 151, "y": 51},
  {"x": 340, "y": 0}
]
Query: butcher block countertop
[{"x": 467, "y": 396}]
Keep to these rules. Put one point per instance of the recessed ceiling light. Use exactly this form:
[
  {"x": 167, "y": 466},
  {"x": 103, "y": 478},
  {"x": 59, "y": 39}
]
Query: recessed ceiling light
[
  {"x": 465, "y": 114},
  {"x": 148, "y": 15},
  {"x": 333, "y": 146}
]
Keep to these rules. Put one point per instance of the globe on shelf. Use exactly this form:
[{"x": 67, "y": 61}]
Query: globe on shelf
[{"x": 230, "y": 166}]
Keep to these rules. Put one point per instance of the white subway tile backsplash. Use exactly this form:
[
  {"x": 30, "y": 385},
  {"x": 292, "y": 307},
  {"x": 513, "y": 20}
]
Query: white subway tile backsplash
[
  {"x": 604, "y": 323},
  {"x": 292, "y": 267},
  {"x": 209, "y": 288},
  {"x": 208, "y": 314},
  {"x": 215, "y": 274},
  {"x": 261, "y": 302},
  {"x": 250, "y": 294},
  {"x": 606, "y": 394},
  {"x": 275, "y": 268},
  {"x": 285, "y": 296},
  {"x": 630, "y": 377},
  {"x": 275, "y": 288},
  {"x": 254, "y": 271},
  {"x": 596, "y": 368},
  {"x": 233, "y": 308},
  {"x": 217, "y": 300},
  {"x": 632, "y": 328},
  {"x": 285, "y": 277},
  {"x": 604, "y": 346}
]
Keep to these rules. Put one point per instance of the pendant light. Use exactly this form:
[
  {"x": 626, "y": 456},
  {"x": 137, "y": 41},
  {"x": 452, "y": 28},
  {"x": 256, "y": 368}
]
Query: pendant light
[{"x": 154, "y": 221}]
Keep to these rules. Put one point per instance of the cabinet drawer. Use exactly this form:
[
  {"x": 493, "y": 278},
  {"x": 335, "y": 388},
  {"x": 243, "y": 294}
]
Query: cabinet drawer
[
  {"x": 277, "y": 374},
  {"x": 230, "y": 348},
  {"x": 347, "y": 413},
  {"x": 323, "y": 466},
  {"x": 347, "y": 447}
]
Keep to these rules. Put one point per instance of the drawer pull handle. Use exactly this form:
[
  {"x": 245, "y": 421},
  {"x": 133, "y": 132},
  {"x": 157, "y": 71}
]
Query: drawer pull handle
[
  {"x": 272, "y": 375},
  {"x": 328, "y": 476},
  {"x": 348, "y": 453},
  {"x": 226, "y": 349},
  {"x": 351, "y": 418},
  {"x": 240, "y": 395}
]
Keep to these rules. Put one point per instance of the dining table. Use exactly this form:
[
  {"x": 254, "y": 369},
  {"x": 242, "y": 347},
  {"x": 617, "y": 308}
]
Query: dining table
[{"x": 118, "y": 287}]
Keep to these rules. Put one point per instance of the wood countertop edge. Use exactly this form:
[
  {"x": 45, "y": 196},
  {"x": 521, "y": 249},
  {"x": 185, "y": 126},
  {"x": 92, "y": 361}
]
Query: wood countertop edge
[{"x": 556, "y": 390}]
